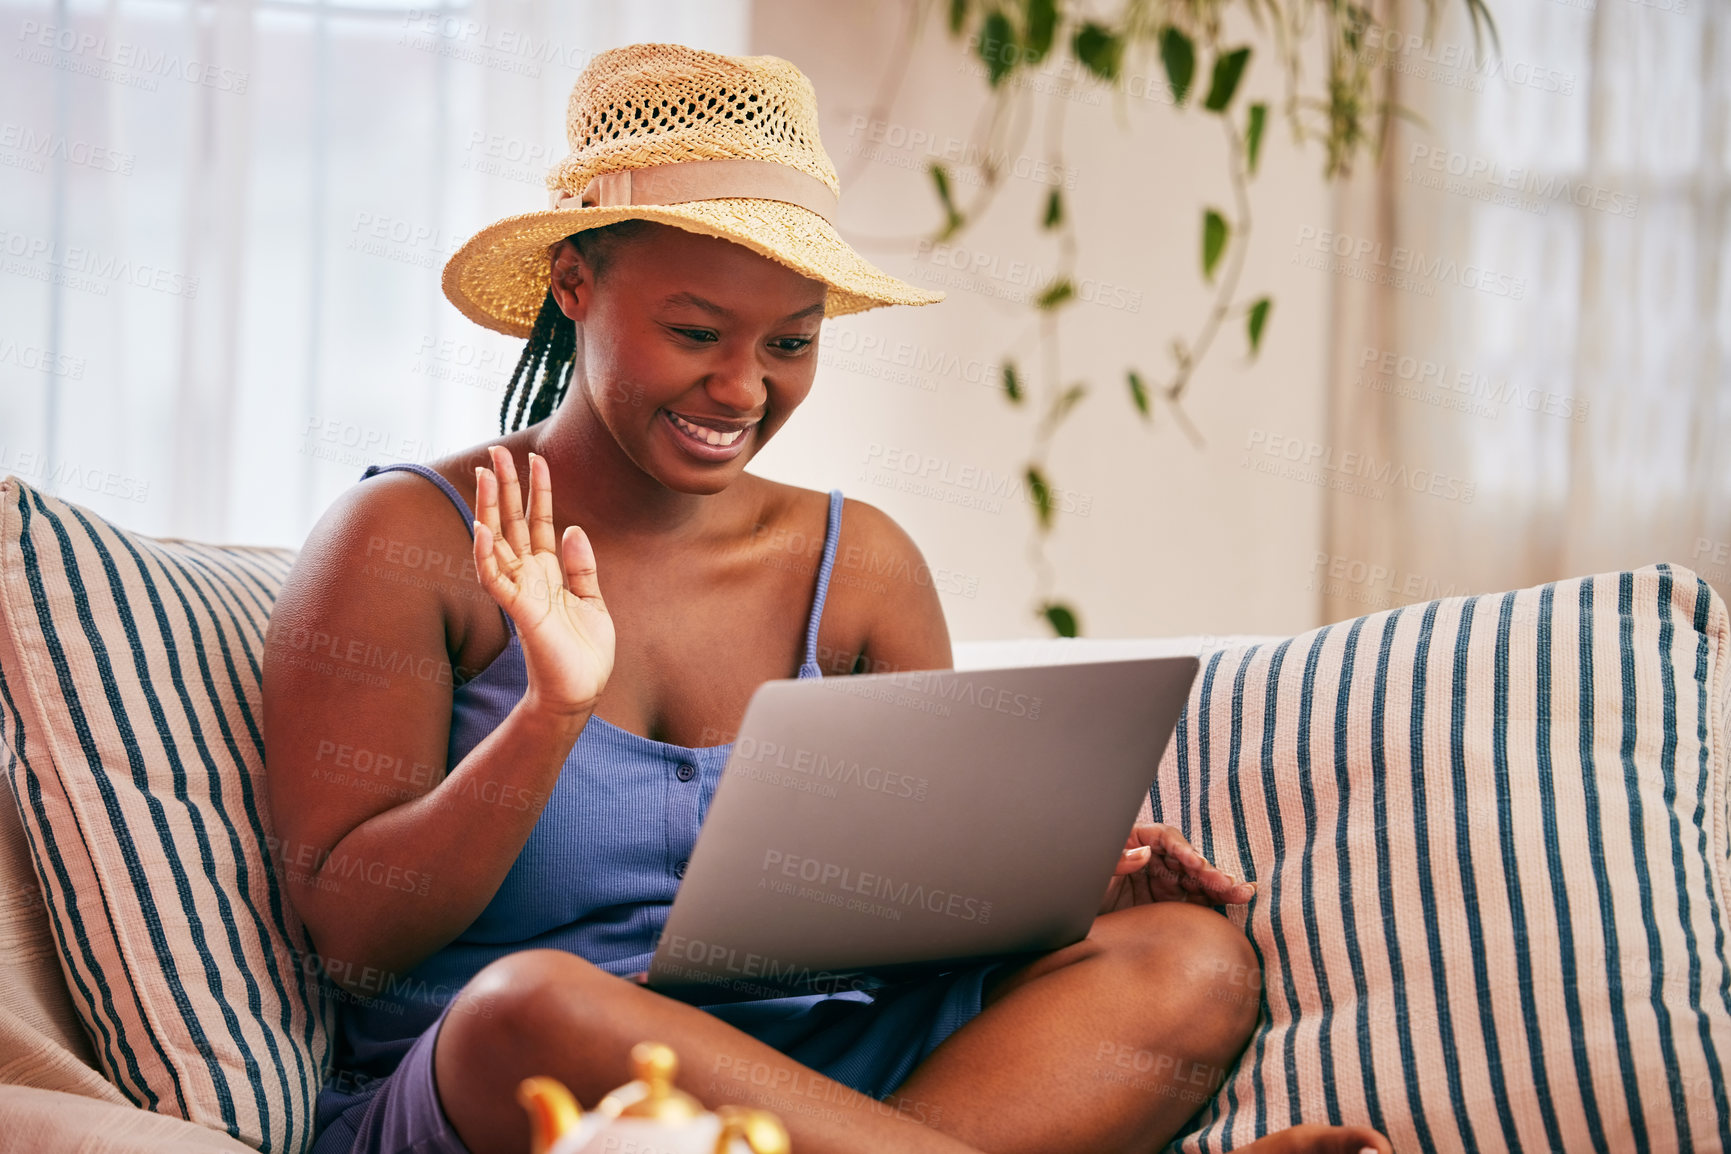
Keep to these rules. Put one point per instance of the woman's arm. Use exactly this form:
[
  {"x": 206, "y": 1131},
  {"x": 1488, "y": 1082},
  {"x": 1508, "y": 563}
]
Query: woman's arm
[
  {"x": 902, "y": 618},
  {"x": 386, "y": 855}
]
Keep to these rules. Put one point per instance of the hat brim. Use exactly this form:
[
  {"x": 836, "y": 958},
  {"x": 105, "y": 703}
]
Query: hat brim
[{"x": 498, "y": 278}]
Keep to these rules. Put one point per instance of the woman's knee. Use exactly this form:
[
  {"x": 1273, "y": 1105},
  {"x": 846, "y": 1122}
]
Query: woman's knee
[
  {"x": 1190, "y": 955},
  {"x": 509, "y": 1001},
  {"x": 521, "y": 1015}
]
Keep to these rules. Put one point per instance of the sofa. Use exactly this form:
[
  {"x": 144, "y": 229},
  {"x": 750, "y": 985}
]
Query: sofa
[{"x": 1489, "y": 836}]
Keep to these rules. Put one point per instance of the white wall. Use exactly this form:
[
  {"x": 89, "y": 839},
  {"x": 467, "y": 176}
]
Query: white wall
[
  {"x": 1176, "y": 540},
  {"x": 313, "y": 190}
]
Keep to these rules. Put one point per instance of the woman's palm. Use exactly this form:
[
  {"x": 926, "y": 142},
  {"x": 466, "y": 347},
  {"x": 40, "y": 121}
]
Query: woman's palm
[{"x": 549, "y": 588}]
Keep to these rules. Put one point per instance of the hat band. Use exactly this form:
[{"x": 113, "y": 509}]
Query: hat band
[{"x": 689, "y": 180}]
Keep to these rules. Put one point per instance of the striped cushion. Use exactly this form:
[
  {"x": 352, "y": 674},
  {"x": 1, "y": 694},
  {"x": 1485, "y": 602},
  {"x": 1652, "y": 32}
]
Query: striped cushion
[
  {"x": 1489, "y": 841},
  {"x": 129, "y": 703}
]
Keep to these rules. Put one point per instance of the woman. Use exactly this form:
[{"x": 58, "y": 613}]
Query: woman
[{"x": 500, "y": 789}]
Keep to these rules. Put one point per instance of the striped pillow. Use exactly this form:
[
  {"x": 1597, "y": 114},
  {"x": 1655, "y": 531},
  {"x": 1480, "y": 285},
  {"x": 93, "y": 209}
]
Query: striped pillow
[
  {"x": 1489, "y": 841},
  {"x": 129, "y": 701}
]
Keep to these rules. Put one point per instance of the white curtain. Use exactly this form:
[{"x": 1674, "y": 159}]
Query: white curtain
[
  {"x": 1530, "y": 351},
  {"x": 222, "y": 227}
]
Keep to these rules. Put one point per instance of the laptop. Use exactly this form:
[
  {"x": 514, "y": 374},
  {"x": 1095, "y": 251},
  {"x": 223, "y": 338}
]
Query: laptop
[{"x": 871, "y": 828}]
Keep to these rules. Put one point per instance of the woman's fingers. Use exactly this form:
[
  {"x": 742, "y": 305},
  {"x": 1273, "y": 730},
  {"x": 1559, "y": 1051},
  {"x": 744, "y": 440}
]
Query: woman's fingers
[
  {"x": 1174, "y": 845},
  {"x": 540, "y": 505},
  {"x": 487, "y": 564},
  {"x": 487, "y": 499},
  {"x": 1222, "y": 889},
  {"x": 1133, "y": 860},
  {"x": 510, "y": 497},
  {"x": 507, "y": 541},
  {"x": 495, "y": 565},
  {"x": 577, "y": 556},
  {"x": 1175, "y": 870},
  {"x": 1180, "y": 855}
]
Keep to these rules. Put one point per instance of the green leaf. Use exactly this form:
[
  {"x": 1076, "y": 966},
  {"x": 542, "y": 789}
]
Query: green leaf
[
  {"x": 1352, "y": 33},
  {"x": 958, "y": 16},
  {"x": 1099, "y": 50},
  {"x": 1055, "y": 294},
  {"x": 1257, "y": 319},
  {"x": 1253, "y": 134},
  {"x": 1214, "y": 232},
  {"x": 941, "y": 178},
  {"x": 1228, "y": 69},
  {"x": 1012, "y": 383},
  {"x": 1040, "y": 25},
  {"x": 998, "y": 47},
  {"x": 952, "y": 216},
  {"x": 1060, "y": 617},
  {"x": 1138, "y": 392},
  {"x": 1054, "y": 210},
  {"x": 1179, "y": 56},
  {"x": 1477, "y": 10},
  {"x": 1068, "y": 401},
  {"x": 1042, "y": 495}
]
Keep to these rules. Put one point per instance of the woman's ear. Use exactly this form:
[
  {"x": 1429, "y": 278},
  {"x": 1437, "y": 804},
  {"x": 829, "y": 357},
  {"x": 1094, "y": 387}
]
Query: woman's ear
[{"x": 573, "y": 280}]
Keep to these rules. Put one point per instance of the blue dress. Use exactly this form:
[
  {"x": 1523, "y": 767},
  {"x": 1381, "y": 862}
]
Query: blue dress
[{"x": 597, "y": 877}]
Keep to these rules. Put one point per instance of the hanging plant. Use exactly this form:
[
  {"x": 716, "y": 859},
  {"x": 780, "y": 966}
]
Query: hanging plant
[{"x": 1171, "y": 38}]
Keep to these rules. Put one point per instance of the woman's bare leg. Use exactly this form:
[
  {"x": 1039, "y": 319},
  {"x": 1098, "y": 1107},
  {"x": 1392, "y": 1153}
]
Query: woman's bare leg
[
  {"x": 1110, "y": 1044},
  {"x": 1106, "y": 1045},
  {"x": 550, "y": 1012}
]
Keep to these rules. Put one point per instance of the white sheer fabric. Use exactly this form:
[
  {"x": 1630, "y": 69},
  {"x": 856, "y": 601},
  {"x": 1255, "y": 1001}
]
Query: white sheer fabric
[
  {"x": 222, "y": 227},
  {"x": 1553, "y": 341}
]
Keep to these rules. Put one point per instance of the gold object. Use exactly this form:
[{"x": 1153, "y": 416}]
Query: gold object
[
  {"x": 653, "y": 1095},
  {"x": 761, "y": 1130},
  {"x": 559, "y": 1126},
  {"x": 552, "y": 1111}
]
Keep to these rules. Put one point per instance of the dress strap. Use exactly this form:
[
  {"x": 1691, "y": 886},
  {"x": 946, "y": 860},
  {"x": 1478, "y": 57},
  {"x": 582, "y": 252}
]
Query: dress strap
[
  {"x": 831, "y": 535},
  {"x": 438, "y": 479}
]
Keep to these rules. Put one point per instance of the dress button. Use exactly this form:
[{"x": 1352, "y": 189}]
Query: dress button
[
  {"x": 686, "y": 772},
  {"x": 679, "y": 869}
]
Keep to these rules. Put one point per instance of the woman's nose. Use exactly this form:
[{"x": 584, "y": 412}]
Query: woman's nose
[{"x": 740, "y": 384}]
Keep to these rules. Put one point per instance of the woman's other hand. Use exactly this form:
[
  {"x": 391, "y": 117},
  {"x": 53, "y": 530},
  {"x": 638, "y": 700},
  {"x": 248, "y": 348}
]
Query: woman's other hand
[
  {"x": 1158, "y": 865},
  {"x": 549, "y": 588}
]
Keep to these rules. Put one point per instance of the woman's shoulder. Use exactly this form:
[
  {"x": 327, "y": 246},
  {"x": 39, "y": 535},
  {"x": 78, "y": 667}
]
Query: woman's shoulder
[
  {"x": 396, "y": 525},
  {"x": 392, "y": 490},
  {"x": 794, "y": 509},
  {"x": 882, "y": 597},
  {"x": 382, "y": 507}
]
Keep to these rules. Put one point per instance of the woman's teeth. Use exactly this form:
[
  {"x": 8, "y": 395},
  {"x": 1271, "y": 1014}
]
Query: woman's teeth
[{"x": 710, "y": 436}]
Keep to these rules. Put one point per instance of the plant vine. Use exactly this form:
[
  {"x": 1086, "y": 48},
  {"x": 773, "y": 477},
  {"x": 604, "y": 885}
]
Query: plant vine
[{"x": 1010, "y": 38}]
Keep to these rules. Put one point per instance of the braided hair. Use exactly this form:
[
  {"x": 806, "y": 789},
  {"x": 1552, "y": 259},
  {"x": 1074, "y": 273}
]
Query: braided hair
[
  {"x": 551, "y": 351},
  {"x": 548, "y": 355}
]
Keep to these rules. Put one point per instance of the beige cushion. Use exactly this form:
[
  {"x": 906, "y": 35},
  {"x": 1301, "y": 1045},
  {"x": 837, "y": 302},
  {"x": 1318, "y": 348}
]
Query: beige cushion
[
  {"x": 41, "y": 1042},
  {"x": 129, "y": 701},
  {"x": 1489, "y": 842},
  {"x": 43, "y": 1121}
]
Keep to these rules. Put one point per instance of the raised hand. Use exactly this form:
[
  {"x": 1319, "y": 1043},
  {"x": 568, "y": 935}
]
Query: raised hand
[
  {"x": 548, "y": 588},
  {"x": 1158, "y": 865}
]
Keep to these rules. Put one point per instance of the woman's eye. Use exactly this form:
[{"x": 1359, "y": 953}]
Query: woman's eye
[
  {"x": 703, "y": 335},
  {"x": 792, "y": 344}
]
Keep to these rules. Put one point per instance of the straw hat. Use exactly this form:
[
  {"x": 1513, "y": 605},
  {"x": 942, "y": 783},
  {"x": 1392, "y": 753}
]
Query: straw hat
[{"x": 725, "y": 146}]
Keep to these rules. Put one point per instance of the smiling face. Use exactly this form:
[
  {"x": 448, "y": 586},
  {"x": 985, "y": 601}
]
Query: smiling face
[{"x": 695, "y": 350}]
